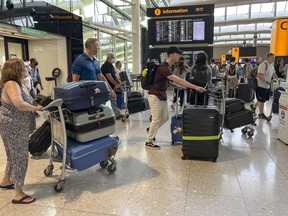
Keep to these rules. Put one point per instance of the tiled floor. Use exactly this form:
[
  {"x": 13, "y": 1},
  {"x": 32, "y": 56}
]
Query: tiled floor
[{"x": 249, "y": 178}]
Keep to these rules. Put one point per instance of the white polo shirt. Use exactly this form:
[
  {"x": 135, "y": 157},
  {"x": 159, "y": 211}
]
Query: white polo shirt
[{"x": 267, "y": 73}]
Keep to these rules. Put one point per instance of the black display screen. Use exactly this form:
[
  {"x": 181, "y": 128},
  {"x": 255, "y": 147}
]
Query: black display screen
[{"x": 184, "y": 30}]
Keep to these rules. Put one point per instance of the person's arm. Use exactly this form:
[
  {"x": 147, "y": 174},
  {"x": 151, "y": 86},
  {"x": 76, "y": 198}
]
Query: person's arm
[
  {"x": 111, "y": 80},
  {"x": 39, "y": 79},
  {"x": 14, "y": 93},
  {"x": 227, "y": 70},
  {"x": 75, "y": 77},
  {"x": 101, "y": 77},
  {"x": 183, "y": 82}
]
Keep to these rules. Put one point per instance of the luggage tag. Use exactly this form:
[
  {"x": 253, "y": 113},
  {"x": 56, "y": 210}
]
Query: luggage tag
[{"x": 177, "y": 130}]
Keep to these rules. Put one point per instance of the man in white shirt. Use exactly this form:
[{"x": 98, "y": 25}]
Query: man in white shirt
[
  {"x": 265, "y": 73},
  {"x": 231, "y": 74}
]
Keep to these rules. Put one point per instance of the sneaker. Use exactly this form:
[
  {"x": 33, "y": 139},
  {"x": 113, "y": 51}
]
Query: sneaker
[
  {"x": 119, "y": 117},
  {"x": 147, "y": 129},
  {"x": 262, "y": 115},
  {"x": 173, "y": 106},
  {"x": 252, "y": 108},
  {"x": 152, "y": 145}
]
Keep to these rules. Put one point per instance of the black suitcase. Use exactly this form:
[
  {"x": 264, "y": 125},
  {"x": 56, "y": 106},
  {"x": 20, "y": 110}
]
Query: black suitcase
[
  {"x": 125, "y": 78},
  {"x": 134, "y": 96},
  {"x": 238, "y": 119},
  {"x": 275, "y": 108},
  {"x": 244, "y": 92},
  {"x": 137, "y": 106},
  {"x": 234, "y": 105},
  {"x": 277, "y": 94},
  {"x": 201, "y": 132},
  {"x": 40, "y": 140}
]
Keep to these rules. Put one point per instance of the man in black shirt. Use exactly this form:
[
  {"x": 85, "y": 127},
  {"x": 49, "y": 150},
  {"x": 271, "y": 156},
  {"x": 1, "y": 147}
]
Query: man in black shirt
[{"x": 108, "y": 71}]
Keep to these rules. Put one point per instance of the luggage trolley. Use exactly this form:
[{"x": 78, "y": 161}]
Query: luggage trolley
[{"x": 57, "y": 116}]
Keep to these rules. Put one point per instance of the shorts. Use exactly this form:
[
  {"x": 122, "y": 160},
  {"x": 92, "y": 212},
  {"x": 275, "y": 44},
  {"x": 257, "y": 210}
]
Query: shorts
[
  {"x": 262, "y": 94},
  {"x": 232, "y": 82}
]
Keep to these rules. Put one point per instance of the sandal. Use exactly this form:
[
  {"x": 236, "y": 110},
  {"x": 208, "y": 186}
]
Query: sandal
[
  {"x": 7, "y": 187},
  {"x": 22, "y": 200}
]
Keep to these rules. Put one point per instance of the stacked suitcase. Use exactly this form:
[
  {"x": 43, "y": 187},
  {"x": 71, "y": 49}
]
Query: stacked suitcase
[
  {"x": 88, "y": 123},
  {"x": 236, "y": 115},
  {"x": 136, "y": 102},
  {"x": 201, "y": 132},
  {"x": 245, "y": 92}
]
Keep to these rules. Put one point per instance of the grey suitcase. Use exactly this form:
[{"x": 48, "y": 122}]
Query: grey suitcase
[{"x": 85, "y": 126}]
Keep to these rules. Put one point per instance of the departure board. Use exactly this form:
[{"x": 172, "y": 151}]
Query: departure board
[{"x": 189, "y": 30}]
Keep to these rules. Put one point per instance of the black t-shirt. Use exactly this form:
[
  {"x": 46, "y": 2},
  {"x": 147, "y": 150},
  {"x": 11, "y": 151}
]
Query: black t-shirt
[{"x": 108, "y": 68}]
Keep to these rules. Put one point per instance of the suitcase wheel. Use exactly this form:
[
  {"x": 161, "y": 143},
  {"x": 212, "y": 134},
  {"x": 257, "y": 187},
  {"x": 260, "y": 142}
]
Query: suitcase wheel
[
  {"x": 111, "y": 168},
  {"x": 49, "y": 170},
  {"x": 214, "y": 160},
  {"x": 104, "y": 164},
  {"x": 250, "y": 133},
  {"x": 244, "y": 130},
  {"x": 59, "y": 186}
]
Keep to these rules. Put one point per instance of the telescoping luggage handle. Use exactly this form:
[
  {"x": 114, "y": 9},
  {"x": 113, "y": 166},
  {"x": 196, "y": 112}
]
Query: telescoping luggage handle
[{"x": 205, "y": 96}]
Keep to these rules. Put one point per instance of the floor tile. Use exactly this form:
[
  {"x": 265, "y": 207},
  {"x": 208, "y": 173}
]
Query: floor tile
[
  {"x": 100, "y": 198},
  {"x": 151, "y": 201},
  {"x": 28, "y": 210},
  {"x": 202, "y": 204},
  {"x": 67, "y": 212}
]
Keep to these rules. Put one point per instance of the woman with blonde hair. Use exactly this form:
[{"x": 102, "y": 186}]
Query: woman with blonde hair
[{"x": 15, "y": 113}]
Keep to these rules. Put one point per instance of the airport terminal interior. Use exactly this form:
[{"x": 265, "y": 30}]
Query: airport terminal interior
[{"x": 250, "y": 176}]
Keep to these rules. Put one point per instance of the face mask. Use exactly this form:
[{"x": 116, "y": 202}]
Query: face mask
[{"x": 113, "y": 60}]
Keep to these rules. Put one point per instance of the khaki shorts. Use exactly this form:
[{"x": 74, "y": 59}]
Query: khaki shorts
[{"x": 232, "y": 82}]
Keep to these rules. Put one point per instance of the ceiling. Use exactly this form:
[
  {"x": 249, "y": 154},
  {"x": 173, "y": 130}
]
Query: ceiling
[{"x": 218, "y": 3}]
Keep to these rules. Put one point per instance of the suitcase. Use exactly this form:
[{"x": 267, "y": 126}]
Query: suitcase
[
  {"x": 234, "y": 105},
  {"x": 201, "y": 132},
  {"x": 85, "y": 126},
  {"x": 200, "y": 98},
  {"x": 120, "y": 100},
  {"x": 40, "y": 140},
  {"x": 277, "y": 94},
  {"x": 134, "y": 96},
  {"x": 244, "y": 92},
  {"x": 125, "y": 78},
  {"x": 176, "y": 126},
  {"x": 238, "y": 119},
  {"x": 82, "y": 95},
  {"x": 81, "y": 157},
  {"x": 138, "y": 106},
  {"x": 275, "y": 108}
]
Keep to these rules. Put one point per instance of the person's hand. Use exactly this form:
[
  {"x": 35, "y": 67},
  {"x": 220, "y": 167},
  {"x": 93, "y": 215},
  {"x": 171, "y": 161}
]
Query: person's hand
[
  {"x": 113, "y": 94},
  {"x": 38, "y": 107},
  {"x": 200, "y": 89}
]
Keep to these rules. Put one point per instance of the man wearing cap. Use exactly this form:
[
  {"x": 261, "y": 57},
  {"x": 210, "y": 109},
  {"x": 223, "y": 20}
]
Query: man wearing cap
[{"x": 157, "y": 96}]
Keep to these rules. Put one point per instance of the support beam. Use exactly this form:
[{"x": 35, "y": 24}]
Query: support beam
[{"x": 136, "y": 37}]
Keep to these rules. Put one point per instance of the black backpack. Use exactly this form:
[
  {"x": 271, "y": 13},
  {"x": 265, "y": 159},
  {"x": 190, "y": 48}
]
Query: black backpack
[
  {"x": 232, "y": 70},
  {"x": 200, "y": 77},
  {"x": 147, "y": 79},
  {"x": 254, "y": 71}
]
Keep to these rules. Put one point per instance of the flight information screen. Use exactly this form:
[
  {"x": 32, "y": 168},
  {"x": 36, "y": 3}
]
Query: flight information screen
[{"x": 189, "y": 30}]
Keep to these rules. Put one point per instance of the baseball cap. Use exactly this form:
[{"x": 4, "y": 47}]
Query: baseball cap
[{"x": 174, "y": 49}]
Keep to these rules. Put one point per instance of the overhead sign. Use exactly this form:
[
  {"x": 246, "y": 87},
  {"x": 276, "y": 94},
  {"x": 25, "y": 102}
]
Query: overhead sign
[
  {"x": 180, "y": 11},
  {"x": 279, "y": 42},
  {"x": 34, "y": 32}
]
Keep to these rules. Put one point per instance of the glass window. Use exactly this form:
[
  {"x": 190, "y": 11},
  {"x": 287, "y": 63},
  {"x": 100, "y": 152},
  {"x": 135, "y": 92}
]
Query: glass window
[
  {"x": 231, "y": 28},
  {"x": 282, "y": 8},
  {"x": 264, "y": 36},
  {"x": 88, "y": 33},
  {"x": 246, "y": 27},
  {"x": 249, "y": 36},
  {"x": 237, "y": 36},
  {"x": 216, "y": 29},
  {"x": 223, "y": 37},
  {"x": 106, "y": 43},
  {"x": 264, "y": 26},
  {"x": 219, "y": 14},
  {"x": 129, "y": 57},
  {"x": 262, "y": 10},
  {"x": 120, "y": 49}
]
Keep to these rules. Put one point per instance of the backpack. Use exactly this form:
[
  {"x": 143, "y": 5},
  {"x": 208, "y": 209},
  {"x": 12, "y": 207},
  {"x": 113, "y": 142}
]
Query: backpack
[
  {"x": 200, "y": 77},
  {"x": 148, "y": 74},
  {"x": 254, "y": 71},
  {"x": 214, "y": 70},
  {"x": 232, "y": 70}
]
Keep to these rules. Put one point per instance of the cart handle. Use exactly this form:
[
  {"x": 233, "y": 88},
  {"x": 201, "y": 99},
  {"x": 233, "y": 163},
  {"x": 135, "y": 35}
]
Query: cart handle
[{"x": 55, "y": 103}]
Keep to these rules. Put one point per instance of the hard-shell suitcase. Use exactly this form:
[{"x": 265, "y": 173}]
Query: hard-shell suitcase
[
  {"x": 40, "y": 140},
  {"x": 239, "y": 119},
  {"x": 82, "y": 156},
  {"x": 134, "y": 96},
  {"x": 125, "y": 78},
  {"x": 85, "y": 126},
  {"x": 275, "y": 107},
  {"x": 83, "y": 94},
  {"x": 244, "y": 92},
  {"x": 176, "y": 125},
  {"x": 233, "y": 105},
  {"x": 138, "y": 106},
  {"x": 201, "y": 132}
]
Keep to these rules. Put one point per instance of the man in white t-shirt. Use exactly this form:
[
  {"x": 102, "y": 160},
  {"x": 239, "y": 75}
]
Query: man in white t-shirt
[
  {"x": 231, "y": 74},
  {"x": 265, "y": 73}
]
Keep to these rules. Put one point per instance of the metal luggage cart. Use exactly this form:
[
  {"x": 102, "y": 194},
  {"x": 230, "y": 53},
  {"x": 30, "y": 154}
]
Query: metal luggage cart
[
  {"x": 57, "y": 117},
  {"x": 274, "y": 85}
]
